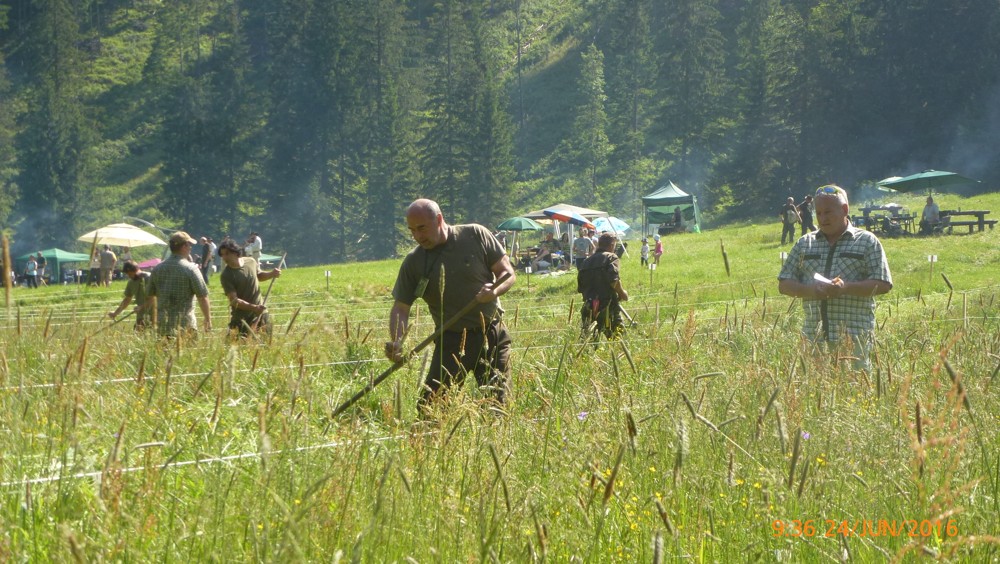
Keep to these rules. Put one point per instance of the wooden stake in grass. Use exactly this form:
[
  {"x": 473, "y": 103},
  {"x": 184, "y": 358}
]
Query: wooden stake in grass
[
  {"x": 6, "y": 272},
  {"x": 725, "y": 257}
]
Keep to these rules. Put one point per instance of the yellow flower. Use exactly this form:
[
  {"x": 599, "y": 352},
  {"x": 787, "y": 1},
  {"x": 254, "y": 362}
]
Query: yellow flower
[
  {"x": 757, "y": 485},
  {"x": 739, "y": 482},
  {"x": 652, "y": 468}
]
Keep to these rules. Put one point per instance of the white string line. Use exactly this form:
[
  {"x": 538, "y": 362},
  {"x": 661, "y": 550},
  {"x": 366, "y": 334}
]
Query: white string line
[
  {"x": 91, "y": 305},
  {"x": 522, "y": 349},
  {"x": 537, "y": 310},
  {"x": 322, "y": 446},
  {"x": 211, "y": 460}
]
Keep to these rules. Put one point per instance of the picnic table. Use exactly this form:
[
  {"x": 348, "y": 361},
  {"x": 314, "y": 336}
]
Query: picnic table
[
  {"x": 981, "y": 222},
  {"x": 889, "y": 220}
]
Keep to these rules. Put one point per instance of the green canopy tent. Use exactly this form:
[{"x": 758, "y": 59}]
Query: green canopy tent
[
  {"x": 54, "y": 259},
  {"x": 658, "y": 207},
  {"x": 272, "y": 258}
]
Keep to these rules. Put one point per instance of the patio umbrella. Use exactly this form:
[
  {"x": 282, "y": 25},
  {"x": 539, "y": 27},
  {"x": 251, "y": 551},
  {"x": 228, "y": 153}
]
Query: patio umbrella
[
  {"x": 520, "y": 224},
  {"x": 568, "y": 216},
  {"x": 610, "y": 223},
  {"x": 121, "y": 235},
  {"x": 927, "y": 180},
  {"x": 149, "y": 263}
]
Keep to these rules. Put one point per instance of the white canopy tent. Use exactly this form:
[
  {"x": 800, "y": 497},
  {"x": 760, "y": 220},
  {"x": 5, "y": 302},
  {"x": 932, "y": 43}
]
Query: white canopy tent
[{"x": 121, "y": 235}]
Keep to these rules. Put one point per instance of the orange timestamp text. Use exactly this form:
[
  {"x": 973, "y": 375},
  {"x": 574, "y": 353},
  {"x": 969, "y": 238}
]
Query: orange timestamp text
[{"x": 865, "y": 528}]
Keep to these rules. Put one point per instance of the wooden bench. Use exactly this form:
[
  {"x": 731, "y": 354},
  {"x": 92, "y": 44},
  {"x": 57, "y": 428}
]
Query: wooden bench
[{"x": 971, "y": 224}]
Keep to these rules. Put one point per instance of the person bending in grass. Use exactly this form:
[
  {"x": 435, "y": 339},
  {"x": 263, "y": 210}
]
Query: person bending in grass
[
  {"x": 853, "y": 261},
  {"x": 454, "y": 265},
  {"x": 135, "y": 288},
  {"x": 239, "y": 281}
]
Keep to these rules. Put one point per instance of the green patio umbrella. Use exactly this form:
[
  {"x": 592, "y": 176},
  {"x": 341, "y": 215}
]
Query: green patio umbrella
[
  {"x": 520, "y": 224},
  {"x": 926, "y": 180}
]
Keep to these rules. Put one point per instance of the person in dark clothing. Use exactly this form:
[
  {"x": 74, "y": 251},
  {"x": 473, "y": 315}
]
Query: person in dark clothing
[
  {"x": 454, "y": 265},
  {"x": 789, "y": 217},
  {"x": 806, "y": 214},
  {"x": 601, "y": 286}
]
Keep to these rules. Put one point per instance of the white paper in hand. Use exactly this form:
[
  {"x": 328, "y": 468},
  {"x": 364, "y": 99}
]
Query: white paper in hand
[{"x": 820, "y": 278}]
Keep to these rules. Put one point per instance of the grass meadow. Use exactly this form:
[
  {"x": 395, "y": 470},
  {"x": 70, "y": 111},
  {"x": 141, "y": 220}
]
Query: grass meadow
[{"x": 710, "y": 432}]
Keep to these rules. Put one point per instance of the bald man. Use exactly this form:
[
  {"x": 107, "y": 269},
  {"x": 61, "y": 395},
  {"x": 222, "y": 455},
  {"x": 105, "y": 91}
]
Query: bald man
[{"x": 468, "y": 260}]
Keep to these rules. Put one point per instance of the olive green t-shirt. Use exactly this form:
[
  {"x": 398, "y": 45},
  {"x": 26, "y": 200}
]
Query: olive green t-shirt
[
  {"x": 136, "y": 289},
  {"x": 243, "y": 281},
  {"x": 465, "y": 258}
]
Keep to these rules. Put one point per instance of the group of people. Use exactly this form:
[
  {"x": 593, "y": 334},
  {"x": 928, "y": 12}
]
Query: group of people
[
  {"x": 461, "y": 271},
  {"x": 837, "y": 270},
  {"x": 34, "y": 271},
  {"x": 165, "y": 296},
  {"x": 792, "y": 214},
  {"x": 551, "y": 252}
]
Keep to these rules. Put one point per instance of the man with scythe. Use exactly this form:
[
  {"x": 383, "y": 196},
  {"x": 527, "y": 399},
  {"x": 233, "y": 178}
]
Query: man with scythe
[
  {"x": 454, "y": 265},
  {"x": 239, "y": 281}
]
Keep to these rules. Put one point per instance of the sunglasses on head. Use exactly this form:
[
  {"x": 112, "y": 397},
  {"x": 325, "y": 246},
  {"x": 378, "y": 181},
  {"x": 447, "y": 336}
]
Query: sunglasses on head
[{"x": 828, "y": 189}]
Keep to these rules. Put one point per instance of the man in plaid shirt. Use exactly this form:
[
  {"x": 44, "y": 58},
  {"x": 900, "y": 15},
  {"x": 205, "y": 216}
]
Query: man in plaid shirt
[
  {"x": 171, "y": 289},
  {"x": 853, "y": 269}
]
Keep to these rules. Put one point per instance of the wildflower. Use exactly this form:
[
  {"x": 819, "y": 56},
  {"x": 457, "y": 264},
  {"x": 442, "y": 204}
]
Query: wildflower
[
  {"x": 582, "y": 415},
  {"x": 806, "y": 435}
]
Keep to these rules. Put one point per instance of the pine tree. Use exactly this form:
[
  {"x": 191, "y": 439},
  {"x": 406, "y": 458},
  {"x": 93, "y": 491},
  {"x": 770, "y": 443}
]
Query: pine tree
[
  {"x": 589, "y": 145},
  {"x": 53, "y": 145}
]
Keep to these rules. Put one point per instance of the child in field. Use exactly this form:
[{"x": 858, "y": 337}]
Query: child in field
[
  {"x": 657, "y": 250},
  {"x": 644, "y": 252}
]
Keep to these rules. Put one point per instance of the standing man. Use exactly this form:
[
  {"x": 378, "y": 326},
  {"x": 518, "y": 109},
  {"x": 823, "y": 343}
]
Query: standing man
[
  {"x": 789, "y": 217},
  {"x": 467, "y": 260},
  {"x": 254, "y": 246},
  {"x": 853, "y": 261},
  {"x": 41, "y": 270},
  {"x": 806, "y": 214},
  {"x": 678, "y": 220},
  {"x": 108, "y": 262},
  {"x": 135, "y": 288},
  {"x": 583, "y": 247},
  {"x": 239, "y": 281},
  {"x": 207, "y": 253},
  {"x": 601, "y": 287},
  {"x": 172, "y": 287},
  {"x": 31, "y": 272}
]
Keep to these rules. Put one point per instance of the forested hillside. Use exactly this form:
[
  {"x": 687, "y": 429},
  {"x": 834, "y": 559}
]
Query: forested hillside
[{"x": 316, "y": 121}]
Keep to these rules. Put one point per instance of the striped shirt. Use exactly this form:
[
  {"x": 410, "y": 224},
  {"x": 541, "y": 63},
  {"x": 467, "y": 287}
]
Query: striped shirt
[
  {"x": 175, "y": 282},
  {"x": 857, "y": 255}
]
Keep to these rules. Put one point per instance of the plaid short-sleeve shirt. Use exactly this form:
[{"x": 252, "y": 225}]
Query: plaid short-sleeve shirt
[
  {"x": 175, "y": 282},
  {"x": 857, "y": 255}
]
